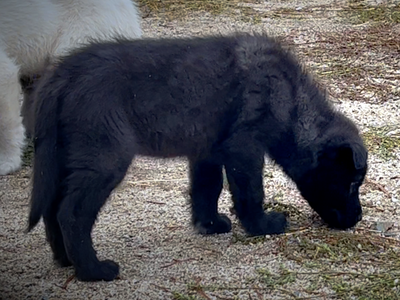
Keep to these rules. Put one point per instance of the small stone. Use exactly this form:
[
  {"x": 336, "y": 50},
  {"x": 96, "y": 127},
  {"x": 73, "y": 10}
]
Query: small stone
[{"x": 383, "y": 226}]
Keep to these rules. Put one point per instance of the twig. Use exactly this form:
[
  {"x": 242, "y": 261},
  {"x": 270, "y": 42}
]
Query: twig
[
  {"x": 161, "y": 288},
  {"x": 155, "y": 202},
  {"x": 259, "y": 295},
  {"x": 199, "y": 290},
  {"x": 208, "y": 249},
  {"x": 379, "y": 235},
  {"x": 303, "y": 229},
  {"x": 316, "y": 296},
  {"x": 176, "y": 261},
  {"x": 69, "y": 279},
  {"x": 369, "y": 230},
  {"x": 8, "y": 250},
  {"x": 176, "y": 227},
  {"x": 378, "y": 186},
  {"x": 155, "y": 180}
]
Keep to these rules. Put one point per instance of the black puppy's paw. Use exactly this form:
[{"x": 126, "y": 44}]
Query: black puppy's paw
[
  {"x": 220, "y": 224},
  {"x": 271, "y": 223},
  {"x": 106, "y": 270}
]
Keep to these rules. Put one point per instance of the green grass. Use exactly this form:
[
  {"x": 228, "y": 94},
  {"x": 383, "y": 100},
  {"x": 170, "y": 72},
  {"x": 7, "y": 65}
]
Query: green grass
[
  {"x": 180, "y": 296},
  {"x": 379, "y": 142},
  {"x": 274, "y": 281},
  {"x": 359, "y": 12},
  {"x": 342, "y": 261},
  {"x": 322, "y": 264},
  {"x": 181, "y": 9}
]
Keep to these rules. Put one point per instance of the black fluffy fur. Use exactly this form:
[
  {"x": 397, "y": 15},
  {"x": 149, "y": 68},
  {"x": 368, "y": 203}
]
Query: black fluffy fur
[{"x": 220, "y": 102}]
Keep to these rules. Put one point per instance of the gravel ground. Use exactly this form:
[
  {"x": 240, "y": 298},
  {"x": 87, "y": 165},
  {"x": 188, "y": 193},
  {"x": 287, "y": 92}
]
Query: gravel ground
[{"x": 145, "y": 226}]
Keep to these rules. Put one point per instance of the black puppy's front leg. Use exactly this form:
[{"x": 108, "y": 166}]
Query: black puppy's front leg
[
  {"x": 206, "y": 186},
  {"x": 244, "y": 173}
]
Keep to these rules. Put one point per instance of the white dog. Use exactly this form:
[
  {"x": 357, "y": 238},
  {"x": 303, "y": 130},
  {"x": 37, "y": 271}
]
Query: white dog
[{"x": 33, "y": 30}]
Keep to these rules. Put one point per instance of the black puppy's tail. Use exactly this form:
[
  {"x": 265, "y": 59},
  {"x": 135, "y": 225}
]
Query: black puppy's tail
[{"x": 46, "y": 176}]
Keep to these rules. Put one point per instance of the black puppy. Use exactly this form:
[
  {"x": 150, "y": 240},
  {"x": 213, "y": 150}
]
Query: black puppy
[{"x": 220, "y": 102}]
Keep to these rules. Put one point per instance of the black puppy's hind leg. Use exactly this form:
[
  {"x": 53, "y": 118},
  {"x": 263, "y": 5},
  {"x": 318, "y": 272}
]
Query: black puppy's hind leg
[
  {"x": 86, "y": 189},
  {"x": 244, "y": 174},
  {"x": 206, "y": 186},
  {"x": 54, "y": 236}
]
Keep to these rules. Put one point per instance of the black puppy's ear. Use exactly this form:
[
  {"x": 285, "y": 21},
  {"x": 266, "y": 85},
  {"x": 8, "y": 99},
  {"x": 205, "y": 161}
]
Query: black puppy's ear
[
  {"x": 360, "y": 155},
  {"x": 353, "y": 155}
]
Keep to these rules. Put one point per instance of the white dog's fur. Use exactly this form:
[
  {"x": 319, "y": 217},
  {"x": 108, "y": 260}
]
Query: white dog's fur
[{"x": 31, "y": 31}]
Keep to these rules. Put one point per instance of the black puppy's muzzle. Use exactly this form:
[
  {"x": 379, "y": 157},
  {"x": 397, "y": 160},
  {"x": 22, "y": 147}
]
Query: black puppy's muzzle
[{"x": 342, "y": 220}]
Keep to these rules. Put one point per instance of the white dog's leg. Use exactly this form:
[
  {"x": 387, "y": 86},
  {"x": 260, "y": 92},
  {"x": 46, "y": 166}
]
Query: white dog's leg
[{"x": 11, "y": 130}]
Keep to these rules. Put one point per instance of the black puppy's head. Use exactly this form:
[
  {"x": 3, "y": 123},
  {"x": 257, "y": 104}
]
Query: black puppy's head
[{"x": 332, "y": 187}]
